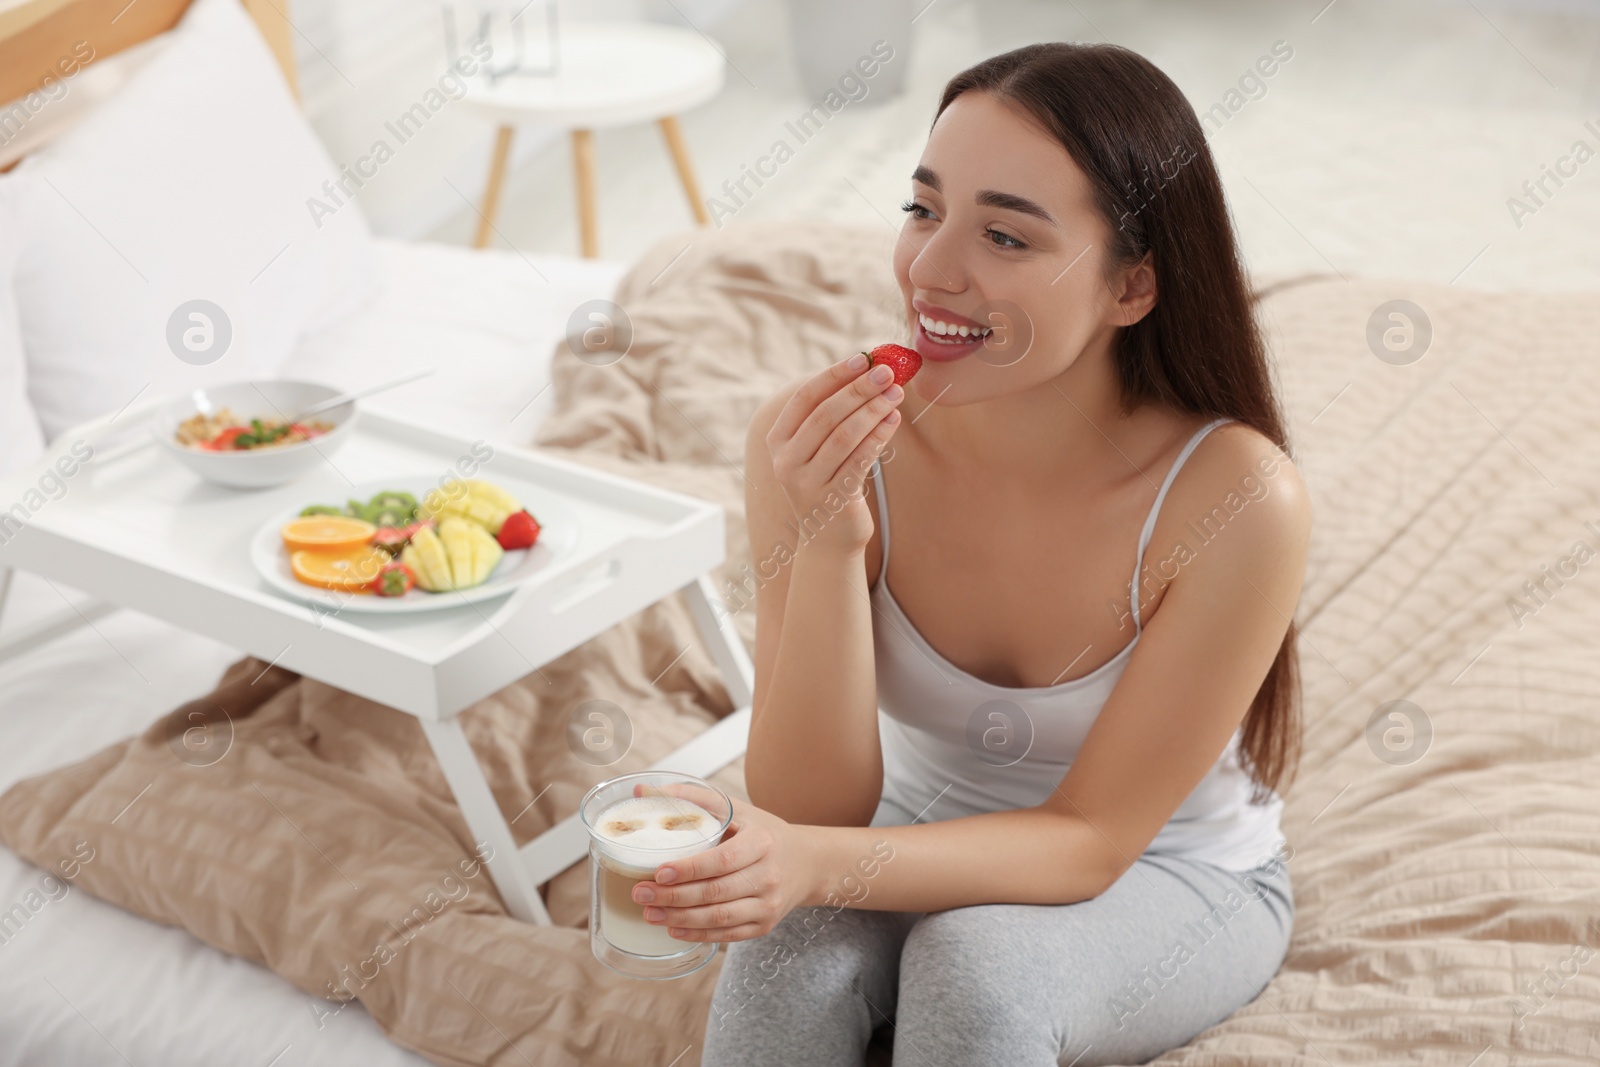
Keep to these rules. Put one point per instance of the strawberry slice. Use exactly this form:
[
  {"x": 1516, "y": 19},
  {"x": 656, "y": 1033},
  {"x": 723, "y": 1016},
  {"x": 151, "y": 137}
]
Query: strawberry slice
[
  {"x": 905, "y": 362},
  {"x": 224, "y": 441},
  {"x": 520, "y": 530},
  {"x": 394, "y": 538}
]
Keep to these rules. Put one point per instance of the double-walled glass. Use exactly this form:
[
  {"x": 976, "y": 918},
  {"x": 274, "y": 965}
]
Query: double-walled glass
[{"x": 618, "y": 933}]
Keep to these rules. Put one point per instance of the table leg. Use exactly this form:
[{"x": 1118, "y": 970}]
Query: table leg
[
  {"x": 680, "y": 158},
  {"x": 583, "y": 166},
  {"x": 491, "y": 192},
  {"x": 485, "y": 820}
]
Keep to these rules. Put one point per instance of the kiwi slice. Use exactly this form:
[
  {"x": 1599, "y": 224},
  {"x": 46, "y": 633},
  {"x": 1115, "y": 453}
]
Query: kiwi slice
[{"x": 391, "y": 507}]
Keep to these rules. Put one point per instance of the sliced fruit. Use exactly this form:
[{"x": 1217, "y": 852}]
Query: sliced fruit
[
  {"x": 396, "y": 579},
  {"x": 326, "y": 533},
  {"x": 457, "y": 537},
  {"x": 224, "y": 441},
  {"x": 426, "y": 557},
  {"x": 351, "y": 570},
  {"x": 397, "y": 499},
  {"x": 459, "y": 555},
  {"x": 482, "y": 502},
  {"x": 520, "y": 530},
  {"x": 494, "y": 494},
  {"x": 486, "y": 553},
  {"x": 322, "y": 509},
  {"x": 394, "y": 538},
  {"x": 391, "y": 507}
]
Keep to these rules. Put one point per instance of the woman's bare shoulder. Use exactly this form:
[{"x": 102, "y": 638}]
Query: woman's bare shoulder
[{"x": 1239, "y": 478}]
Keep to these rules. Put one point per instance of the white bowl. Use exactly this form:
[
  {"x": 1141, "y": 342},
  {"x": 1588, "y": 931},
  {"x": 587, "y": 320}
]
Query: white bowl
[{"x": 259, "y": 400}]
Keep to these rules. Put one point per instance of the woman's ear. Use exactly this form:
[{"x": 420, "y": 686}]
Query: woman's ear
[{"x": 1138, "y": 291}]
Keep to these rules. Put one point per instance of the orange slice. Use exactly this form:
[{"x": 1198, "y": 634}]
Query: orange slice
[
  {"x": 326, "y": 533},
  {"x": 348, "y": 571}
]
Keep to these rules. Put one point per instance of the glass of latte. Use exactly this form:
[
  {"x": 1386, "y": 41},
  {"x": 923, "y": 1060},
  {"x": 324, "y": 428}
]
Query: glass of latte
[{"x": 636, "y": 823}]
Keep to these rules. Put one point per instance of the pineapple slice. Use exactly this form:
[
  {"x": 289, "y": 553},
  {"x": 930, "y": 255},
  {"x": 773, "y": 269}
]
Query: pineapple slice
[
  {"x": 482, "y": 502},
  {"x": 426, "y": 557},
  {"x": 460, "y": 555},
  {"x": 486, "y": 553},
  {"x": 456, "y": 534},
  {"x": 484, "y": 512},
  {"x": 497, "y": 496}
]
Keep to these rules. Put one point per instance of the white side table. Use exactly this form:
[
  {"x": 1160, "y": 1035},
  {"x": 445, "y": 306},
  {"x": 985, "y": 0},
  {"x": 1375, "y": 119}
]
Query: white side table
[{"x": 609, "y": 74}]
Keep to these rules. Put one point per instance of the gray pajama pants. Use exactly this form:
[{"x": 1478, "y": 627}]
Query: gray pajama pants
[{"x": 1172, "y": 948}]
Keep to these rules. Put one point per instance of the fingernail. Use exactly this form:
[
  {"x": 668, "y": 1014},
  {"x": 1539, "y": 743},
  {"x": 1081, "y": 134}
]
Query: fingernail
[
  {"x": 857, "y": 361},
  {"x": 881, "y": 374},
  {"x": 644, "y": 894},
  {"x": 654, "y": 915},
  {"x": 666, "y": 876},
  {"x": 894, "y": 392}
]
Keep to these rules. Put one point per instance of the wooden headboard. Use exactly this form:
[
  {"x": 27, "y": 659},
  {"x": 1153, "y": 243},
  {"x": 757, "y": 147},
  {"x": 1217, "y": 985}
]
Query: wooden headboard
[{"x": 41, "y": 39}]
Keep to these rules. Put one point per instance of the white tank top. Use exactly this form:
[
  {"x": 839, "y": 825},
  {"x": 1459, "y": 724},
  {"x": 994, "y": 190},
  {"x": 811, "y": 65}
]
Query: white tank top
[{"x": 956, "y": 745}]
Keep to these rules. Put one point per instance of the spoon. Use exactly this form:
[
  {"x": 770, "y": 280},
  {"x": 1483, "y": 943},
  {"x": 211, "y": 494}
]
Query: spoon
[{"x": 344, "y": 398}]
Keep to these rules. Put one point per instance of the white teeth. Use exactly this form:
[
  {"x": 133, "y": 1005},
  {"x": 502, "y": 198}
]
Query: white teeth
[{"x": 950, "y": 329}]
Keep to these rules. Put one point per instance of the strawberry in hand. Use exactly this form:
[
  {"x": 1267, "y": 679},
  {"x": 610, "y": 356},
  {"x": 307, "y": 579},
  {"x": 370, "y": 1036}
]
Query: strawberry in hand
[{"x": 904, "y": 361}]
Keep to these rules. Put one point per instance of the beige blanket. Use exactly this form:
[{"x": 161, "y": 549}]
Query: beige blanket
[{"x": 1447, "y": 905}]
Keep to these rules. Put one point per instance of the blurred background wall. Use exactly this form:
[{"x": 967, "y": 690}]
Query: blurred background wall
[{"x": 1391, "y": 141}]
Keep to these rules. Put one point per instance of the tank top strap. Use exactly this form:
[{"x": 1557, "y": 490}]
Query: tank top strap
[
  {"x": 1155, "y": 510},
  {"x": 883, "y": 522}
]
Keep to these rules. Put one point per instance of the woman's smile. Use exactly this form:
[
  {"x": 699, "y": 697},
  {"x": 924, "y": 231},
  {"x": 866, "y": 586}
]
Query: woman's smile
[{"x": 943, "y": 335}]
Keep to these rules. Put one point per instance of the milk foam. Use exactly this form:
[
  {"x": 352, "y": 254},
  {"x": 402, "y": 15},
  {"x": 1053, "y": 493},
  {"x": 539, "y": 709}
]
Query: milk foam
[{"x": 647, "y": 831}]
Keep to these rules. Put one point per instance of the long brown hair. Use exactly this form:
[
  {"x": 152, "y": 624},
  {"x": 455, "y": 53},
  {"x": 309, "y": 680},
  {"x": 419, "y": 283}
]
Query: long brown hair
[{"x": 1200, "y": 349}]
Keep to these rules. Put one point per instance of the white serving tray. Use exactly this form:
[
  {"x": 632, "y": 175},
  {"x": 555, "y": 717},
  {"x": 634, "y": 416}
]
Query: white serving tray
[{"x": 140, "y": 531}]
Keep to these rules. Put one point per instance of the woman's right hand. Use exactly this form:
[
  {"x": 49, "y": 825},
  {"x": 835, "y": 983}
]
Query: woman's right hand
[{"x": 823, "y": 444}]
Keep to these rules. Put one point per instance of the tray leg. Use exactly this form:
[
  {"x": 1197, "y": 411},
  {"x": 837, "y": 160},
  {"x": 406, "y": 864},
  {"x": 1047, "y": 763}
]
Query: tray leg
[
  {"x": 42, "y": 633},
  {"x": 484, "y": 818},
  {"x": 567, "y": 842},
  {"x": 727, "y": 648}
]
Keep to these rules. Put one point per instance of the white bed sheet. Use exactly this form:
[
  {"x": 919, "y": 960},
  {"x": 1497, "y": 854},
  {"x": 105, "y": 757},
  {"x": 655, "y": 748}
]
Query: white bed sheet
[{"x": 85, "y": 983}]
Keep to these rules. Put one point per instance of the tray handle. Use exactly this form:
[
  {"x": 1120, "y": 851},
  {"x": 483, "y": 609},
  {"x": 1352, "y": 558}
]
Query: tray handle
[{"x": 104, "y": 430}]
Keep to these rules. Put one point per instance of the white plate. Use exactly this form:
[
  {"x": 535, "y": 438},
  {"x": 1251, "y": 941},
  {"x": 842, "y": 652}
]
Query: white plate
[{"x": 558, "y": 533}]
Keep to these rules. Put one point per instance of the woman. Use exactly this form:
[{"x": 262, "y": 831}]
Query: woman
[{"x": 1057, "y": 841}]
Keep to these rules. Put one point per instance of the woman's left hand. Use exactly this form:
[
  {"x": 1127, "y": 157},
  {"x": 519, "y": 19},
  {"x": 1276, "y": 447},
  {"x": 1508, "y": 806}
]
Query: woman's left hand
[{"x": 763, "y": 868}]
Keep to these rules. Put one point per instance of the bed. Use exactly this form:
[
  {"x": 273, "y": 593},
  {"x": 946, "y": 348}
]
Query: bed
[
  {"x": 1446, "y": 884},
  {"x": 1445, "y": 861}
]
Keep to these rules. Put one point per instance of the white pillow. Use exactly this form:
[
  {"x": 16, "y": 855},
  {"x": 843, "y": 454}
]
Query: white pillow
[
  {"x": 20, "y": 439},
  {"x": 191, "y": 184}
]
